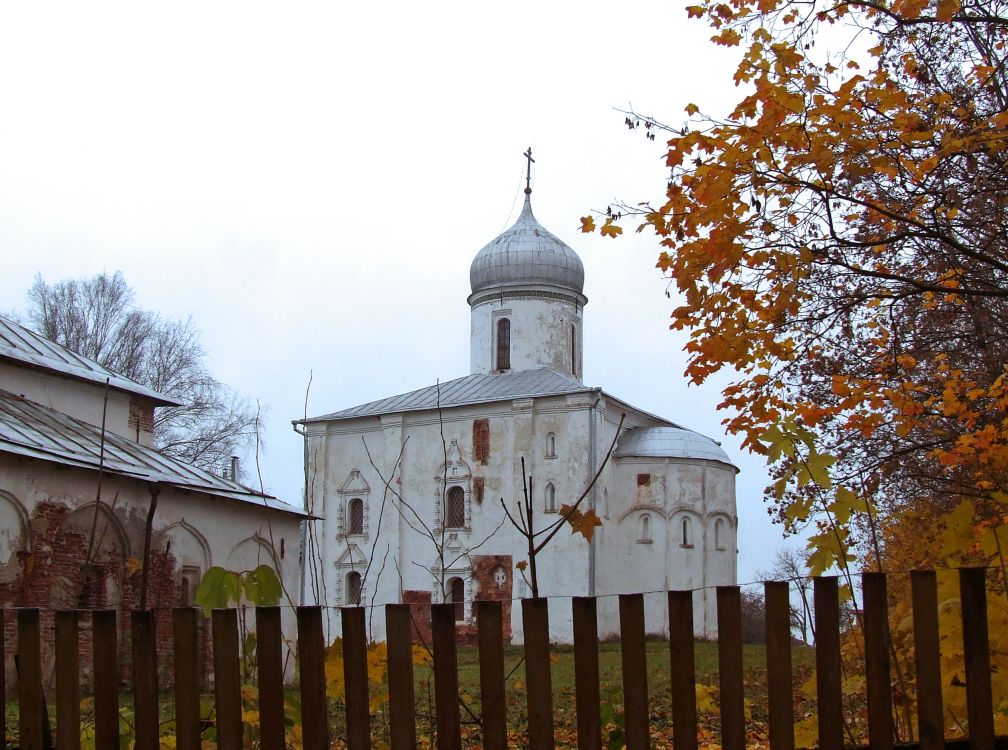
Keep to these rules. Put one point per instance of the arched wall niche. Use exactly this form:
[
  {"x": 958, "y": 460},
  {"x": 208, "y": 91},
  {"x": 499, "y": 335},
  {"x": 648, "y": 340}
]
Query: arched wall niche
[
  {"x": 188, "y": 546},
  {"x": 110, "y": 539},
  {"x": 14, "y": 535},
  {"x": 252, "y": 552}
]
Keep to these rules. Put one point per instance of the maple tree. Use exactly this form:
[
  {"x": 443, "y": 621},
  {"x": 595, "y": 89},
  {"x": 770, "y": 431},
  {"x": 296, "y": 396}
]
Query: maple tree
[{"x": 839, "y": 241}]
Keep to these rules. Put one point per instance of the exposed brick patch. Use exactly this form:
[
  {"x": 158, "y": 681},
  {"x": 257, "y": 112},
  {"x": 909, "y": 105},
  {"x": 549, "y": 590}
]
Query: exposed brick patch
[
  {"x": 420, "y": 612},
  {"x": 486, "y": 570},
  {"x": 479, "y": 488},
  {"x": 481, "y": 441},
  {"x": 53, "y": 575},
  {"x": 141, "y": 414}
]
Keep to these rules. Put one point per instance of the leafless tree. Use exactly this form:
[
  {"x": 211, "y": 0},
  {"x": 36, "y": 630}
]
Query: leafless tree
[
  {"x": 790, "y": 565},
  {"x": 98, "y": 318},
  {"x": 524, "y": 524}
]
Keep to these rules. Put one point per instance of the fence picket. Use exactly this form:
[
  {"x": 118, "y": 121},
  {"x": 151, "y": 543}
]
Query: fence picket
[
  {"x": 446, "y": 697},
  {"x": 927, "y": 660},
  {"x": 876, "y": 636},
  {"x": 780, "y": 695},
  {"x": 732, "y": 696},
  {"x": 105, "y": 661},
  {"x": 3, "y": 678},
  {"x": 145, "y": 692},
  {"x": 976, "y": 654},
  {"x": 683, "y": 670},
  {"x": 67, "y": 681},
  {"x": 311, "y": 664},
  {"x": 30, "y": 704},
  {"x": 355, "y": 678},
  {"x": 586, "y": 672},
  {"x": 269, "y": 663},
  {"x": 227, "y": 679},
  {"x": 185, "y": 637},
  {"x": 832, "y": 725},
  {"x": 826, "y": 594},
  {"x": 490, "y": 624},
  {"x": 538, "y": 678},
  {"x": 402, "y": 717},
  {"x": 634, "y": 662}
]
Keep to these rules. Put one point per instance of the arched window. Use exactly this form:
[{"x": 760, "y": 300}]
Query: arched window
[
  {"x": 355, "y": 516},
  {"x": 503, "y": 344},
  {"x": 456, "y": 596},
  {"x": 550, "y": 496},
  {"x": 719, "y": 541},
  {"x": 687, "y": 535},
  {"x": 550, "y": 445},
  {"x": 455, "y": 508},
  {"x": 352, "y": 596},
  {"x": 645, "y": 528}
]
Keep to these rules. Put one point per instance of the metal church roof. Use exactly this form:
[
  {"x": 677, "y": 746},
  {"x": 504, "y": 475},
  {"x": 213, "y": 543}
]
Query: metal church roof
[
  {"x": 526, "y": 255},
  {"x": 472, "y": 389},
  {"x": 669, "y": 442},
  {"x": 26, "y": 347},
  {"x": 34, "y": 431}
]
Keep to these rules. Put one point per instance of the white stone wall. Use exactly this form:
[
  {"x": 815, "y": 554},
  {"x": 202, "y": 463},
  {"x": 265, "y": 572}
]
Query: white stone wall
[
  {"x": 617, "y": 561},
  {"x": 540, "y": 335},
  {"x": 77, "y": 398}
]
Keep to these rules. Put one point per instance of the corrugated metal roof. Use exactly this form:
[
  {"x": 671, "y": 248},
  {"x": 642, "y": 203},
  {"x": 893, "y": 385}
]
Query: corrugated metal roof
[
  {"x": 669, "y": 442},
  {"x": 29, "y": 429},
  {"x": 472, "y": 389},
  {"x": 28, "y": 347}
]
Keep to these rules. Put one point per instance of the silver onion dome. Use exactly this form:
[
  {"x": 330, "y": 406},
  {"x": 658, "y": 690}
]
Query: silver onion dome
[
  {"x": 526, "y": 255},
  {"x": 669, "y": 442}
]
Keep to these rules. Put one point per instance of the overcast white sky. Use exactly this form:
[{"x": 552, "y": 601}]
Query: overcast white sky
[{"x": 311, "y": 181}]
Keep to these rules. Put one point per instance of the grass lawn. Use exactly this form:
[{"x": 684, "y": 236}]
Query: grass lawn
[{"x": 610, "y": 669}]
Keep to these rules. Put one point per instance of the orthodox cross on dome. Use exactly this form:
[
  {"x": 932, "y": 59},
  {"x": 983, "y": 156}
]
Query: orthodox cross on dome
[{"x": 528, "y": 171}]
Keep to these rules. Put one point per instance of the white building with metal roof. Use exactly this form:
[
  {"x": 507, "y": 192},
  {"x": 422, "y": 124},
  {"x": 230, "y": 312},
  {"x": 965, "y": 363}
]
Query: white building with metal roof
[
  {"x": 78, "y": 473},
  {"x": 410, "y": 486}
]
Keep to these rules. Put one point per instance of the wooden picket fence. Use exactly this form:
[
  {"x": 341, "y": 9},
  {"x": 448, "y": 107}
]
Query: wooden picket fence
[{"x": 33, "y": 725}]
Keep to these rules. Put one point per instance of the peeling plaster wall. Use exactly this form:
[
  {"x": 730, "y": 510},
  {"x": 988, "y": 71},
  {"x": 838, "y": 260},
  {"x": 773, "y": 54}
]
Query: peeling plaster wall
[
  {"x": 540, "y": 335},
  {"x": 51, "y": 509}
]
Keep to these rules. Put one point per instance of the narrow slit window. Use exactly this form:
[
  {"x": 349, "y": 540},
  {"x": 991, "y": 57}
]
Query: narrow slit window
[
  {"x": 573, "y": 351},
  {"x": 550, "y": 445},
  {"x": 719, "y": 542},
  {"x": 503, "y": 344},
  {"x": 686, "y": 533},
  {"x": 550, "y": 498},
  {"x": 645, "y": 528}
]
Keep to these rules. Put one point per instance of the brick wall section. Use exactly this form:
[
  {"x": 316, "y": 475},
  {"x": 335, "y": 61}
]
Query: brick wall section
[
  {"x": 486, "y": 587},
  {"x": 53, "y": 576},
  {"x": 141, "y": 414},
  {"x": 420, "y": 610}
]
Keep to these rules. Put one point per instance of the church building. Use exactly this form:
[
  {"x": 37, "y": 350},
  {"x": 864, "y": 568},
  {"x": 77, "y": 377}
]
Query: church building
[{"x": 409, "y": 487}]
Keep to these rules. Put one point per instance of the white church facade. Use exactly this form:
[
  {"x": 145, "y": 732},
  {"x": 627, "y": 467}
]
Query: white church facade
[{"x": 409, "y": 488}]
